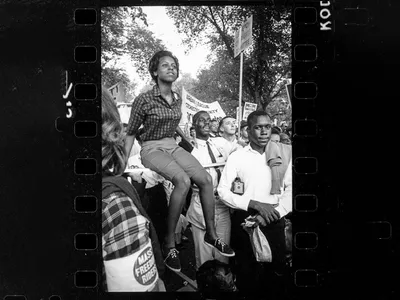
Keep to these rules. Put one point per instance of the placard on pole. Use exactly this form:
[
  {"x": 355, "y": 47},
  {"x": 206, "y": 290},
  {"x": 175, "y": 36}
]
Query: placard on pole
[{"x": 243, "y": 40}]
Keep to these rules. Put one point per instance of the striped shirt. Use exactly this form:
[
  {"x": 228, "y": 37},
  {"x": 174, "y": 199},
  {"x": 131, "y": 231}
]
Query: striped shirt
[{"x": 159, "y": 119}]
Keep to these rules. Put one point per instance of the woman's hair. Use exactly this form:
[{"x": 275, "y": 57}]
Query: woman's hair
[
  {"x": 155, "y": 60},
  {"x": 112, "y": 137}
]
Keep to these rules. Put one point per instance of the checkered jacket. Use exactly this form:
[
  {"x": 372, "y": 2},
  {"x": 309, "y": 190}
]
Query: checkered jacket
[{"x": 124, "y": 229}]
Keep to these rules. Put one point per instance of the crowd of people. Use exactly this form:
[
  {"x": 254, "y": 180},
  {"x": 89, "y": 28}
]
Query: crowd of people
[{"x": 219, "y": 175}]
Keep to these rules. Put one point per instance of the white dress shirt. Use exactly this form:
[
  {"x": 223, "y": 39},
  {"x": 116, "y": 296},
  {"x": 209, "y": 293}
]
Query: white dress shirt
[
  {"x": 221, "y": 149},
  {"x": 252, "y": 169}
]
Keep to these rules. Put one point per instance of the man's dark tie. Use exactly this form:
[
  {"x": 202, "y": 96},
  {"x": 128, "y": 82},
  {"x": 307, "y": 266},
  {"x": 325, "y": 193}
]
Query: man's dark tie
[{"x": 213, "y": 160}]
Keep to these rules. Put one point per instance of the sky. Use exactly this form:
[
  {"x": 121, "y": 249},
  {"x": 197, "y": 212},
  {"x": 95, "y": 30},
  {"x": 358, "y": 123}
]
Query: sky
[{"x": 164, "y": 29}]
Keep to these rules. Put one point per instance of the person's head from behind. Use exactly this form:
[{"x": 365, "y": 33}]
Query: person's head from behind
[
  {"x": 227, "y": 126},
  {"x": 259, "y": 128},
  {"x": 285, "y": 139},
  {"x": 214, "y": 126},
  {"x": 275, "y": 135},
  {"x": 276, "y": 129},
  {"x": 164, "y": 67},
  {"x": 214, "y": 276},
  {"x": 201, "y": 124},
  {"x": 112, "y": 137}
]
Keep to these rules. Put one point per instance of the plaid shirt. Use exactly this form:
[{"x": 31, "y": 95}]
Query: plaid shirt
[
  {"x": 124, "y": 229},
  {"x": 159, "y": 119}
]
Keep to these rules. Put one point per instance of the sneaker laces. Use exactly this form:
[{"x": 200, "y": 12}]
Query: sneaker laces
[
  {"x": 219, "y": 241},
  {"x": 173, "y": 253}
]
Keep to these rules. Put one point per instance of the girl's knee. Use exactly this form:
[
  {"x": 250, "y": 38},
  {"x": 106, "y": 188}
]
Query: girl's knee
[
  {"x": 204, "y": 180},
  {"x": 182, "y": 180}
]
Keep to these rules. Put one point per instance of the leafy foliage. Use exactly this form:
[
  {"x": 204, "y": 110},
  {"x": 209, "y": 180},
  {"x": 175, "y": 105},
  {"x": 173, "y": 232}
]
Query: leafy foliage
[
  {"x": 266, "y": 63},
  {"x": 124, "y": 33}
]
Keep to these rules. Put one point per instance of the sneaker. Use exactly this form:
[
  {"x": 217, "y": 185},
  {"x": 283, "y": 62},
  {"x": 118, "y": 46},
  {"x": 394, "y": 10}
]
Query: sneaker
[
  {"x": 172, "y": 260},
  {"x": 219, "y": 244}
]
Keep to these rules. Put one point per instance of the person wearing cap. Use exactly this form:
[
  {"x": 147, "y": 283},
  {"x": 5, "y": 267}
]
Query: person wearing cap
[
  {"x": 227, "y": 130},
  {"x": 244, "y": 137}
]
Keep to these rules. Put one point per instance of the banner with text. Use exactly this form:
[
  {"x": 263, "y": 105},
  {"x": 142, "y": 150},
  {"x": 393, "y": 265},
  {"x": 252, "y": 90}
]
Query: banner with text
[{"x": 191, "y": 105}]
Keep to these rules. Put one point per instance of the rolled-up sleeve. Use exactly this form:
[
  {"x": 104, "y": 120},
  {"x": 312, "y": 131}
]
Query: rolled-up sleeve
[
  {"x": 224, "y": 188},
  {"x": 285, "y": 199}
]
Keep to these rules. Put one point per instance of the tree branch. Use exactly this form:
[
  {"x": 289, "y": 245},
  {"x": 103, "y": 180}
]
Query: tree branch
[{"x": 222, "y": 34}]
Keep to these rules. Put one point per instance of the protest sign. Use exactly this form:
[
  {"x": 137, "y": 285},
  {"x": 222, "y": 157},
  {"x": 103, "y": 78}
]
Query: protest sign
[
  {"x": 191, "y": 105},
  {"x": 243, "y": 36},
  {"x": 248, "y": 108}
]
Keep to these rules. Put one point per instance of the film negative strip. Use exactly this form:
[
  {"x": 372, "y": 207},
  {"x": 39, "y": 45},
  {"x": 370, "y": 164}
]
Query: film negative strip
[
  {"x": 87, "y": 128},
  {"x": 312, "y": 47},
  {"x": 317, "y": 207}
]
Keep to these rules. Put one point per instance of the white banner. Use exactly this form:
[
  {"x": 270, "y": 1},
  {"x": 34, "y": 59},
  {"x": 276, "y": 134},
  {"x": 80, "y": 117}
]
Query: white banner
[
  {"x": 248, "y": 109},
  {"x": 191, "y": 105}
]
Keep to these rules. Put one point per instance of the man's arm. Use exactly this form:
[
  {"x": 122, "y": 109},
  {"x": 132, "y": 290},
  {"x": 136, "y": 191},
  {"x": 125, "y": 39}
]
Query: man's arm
[
  {"x": 285, "y": 200},
  {"x": 266, "y": 210}
]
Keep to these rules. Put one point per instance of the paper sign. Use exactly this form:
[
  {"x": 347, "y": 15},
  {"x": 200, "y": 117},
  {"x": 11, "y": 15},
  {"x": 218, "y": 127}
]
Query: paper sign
[
  {"x": 243, "y": 36},
  {"x": 134, "y": 273},
  {"x": 248, "y": 109}
]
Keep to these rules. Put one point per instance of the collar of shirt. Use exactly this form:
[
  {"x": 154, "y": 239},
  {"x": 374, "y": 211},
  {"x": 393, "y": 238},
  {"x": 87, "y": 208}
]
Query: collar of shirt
[
  {"x": 157, "y": 93},
  {"x": 201, "y": 142},
  {"x": 250, "y": 149}
]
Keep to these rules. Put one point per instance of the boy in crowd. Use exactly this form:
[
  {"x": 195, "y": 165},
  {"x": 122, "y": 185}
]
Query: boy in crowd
[{"x": 248, "y": 166}]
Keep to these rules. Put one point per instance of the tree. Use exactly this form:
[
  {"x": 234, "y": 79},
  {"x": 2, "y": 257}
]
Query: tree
[
  {"x": 266, "y": 63},
  {"x": 186, "y": 81},
  {"x": 124, "y": 33}
]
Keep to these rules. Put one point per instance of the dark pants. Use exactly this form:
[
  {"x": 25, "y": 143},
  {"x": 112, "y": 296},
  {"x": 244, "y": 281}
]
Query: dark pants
[{"x": 263, "y": 279}]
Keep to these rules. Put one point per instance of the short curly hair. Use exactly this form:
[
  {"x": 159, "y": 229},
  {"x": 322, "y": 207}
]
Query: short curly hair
[{"x": 155, "y": 60}]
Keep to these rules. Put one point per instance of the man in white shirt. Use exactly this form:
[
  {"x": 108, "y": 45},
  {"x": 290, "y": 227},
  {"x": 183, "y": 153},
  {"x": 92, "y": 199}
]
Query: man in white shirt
[
  {"x": 250, "y": 167},
  {"x": 227, "y": 130},
  {"x": 220, "y": 150}
]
